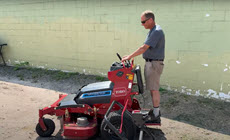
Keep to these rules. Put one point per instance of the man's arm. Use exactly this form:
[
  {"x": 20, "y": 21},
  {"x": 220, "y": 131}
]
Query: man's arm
[{"x": 139, "y": 51}]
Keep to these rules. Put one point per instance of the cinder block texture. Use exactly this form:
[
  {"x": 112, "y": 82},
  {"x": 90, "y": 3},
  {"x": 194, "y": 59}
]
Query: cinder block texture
[{"x": 85, "y": 35}]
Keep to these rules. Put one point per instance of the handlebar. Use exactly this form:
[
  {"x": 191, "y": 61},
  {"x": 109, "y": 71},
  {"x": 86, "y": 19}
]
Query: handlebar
[
  {"x": 118, "y": 55},
  {"x": 3, "y": 44},
  {"x": 127, "y": 61}
]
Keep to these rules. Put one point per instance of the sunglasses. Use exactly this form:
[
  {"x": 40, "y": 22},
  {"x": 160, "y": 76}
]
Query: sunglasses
[{"x": 143, "y": 22}]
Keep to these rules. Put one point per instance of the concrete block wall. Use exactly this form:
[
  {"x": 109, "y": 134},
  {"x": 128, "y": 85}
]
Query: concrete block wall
[{"x": 84, "y": 35}]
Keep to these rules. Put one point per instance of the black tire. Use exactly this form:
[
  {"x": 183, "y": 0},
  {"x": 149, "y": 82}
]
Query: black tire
[
  {"x": 158, "y": 134},
  {"x": 50, "y": 128},
  {"x": 115, "y": 119}
]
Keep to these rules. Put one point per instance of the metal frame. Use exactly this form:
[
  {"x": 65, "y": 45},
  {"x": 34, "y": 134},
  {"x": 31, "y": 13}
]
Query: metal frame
[{"x": 1, "y": 54}]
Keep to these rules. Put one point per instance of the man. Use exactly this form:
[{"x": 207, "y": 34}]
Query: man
[{"x": 153, "y": 52}]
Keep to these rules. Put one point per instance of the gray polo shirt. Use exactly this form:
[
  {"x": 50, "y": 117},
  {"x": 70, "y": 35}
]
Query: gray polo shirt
[{"x": 156, "y": 40}]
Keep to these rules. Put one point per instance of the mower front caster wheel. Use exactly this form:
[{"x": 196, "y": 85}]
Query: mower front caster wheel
[{"x": 50, "y": 128}]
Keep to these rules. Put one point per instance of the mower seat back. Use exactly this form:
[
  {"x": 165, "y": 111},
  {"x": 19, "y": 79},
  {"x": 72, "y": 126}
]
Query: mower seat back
[
  {"x": 68, "y": 101},
  {"x": 139, "y": 79},
  {"x": 95, "y": 93}
]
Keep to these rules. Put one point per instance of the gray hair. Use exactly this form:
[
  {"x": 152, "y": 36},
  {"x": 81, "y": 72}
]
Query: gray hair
[{"x": 148, "y": 14}]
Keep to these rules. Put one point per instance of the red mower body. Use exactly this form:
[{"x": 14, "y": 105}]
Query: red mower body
[{"x": 82, "y": 112}]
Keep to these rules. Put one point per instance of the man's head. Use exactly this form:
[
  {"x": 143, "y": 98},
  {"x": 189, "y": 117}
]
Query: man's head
[{"x": 148, "y": 19}]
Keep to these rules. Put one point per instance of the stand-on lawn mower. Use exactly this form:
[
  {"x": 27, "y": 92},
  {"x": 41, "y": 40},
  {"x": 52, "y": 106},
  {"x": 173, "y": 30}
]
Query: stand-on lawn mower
[{"x": 106, "y": 108}]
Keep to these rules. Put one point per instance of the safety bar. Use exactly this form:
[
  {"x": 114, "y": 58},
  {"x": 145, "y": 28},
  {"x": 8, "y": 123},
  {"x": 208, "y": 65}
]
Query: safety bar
[{"x": 109, "y": 124}]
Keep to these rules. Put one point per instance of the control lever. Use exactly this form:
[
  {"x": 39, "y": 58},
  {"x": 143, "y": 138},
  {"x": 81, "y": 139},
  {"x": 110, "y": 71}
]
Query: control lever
[{"x": 119, "y": 56}]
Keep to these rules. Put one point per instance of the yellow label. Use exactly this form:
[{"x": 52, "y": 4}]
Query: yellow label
[{"x": 129, "y": 76}]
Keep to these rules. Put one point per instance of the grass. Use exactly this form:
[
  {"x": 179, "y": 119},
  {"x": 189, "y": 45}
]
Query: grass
[
  {"x": 60, "y": 75},
  {"x": 162, "y": 90},
  {"x": 21, "y": 77},
  {"x": 38, "y": 72},
  {"x": 209, "y": 102},
  {"x": 21, "y": 65},
  {"x": 172, "y": 101},
  {"x": 100, "y": 78},
  {"x": 185, "y": 97}
]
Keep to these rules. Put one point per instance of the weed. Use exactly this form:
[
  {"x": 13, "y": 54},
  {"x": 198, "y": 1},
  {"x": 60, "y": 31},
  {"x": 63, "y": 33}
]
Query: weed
[
  {"x": 35, "y": 75},
  {"x": 211, "y": 103},
  {"x": 162, "y": 90},
  {"x": 34, "y": 81},
  {"x": 21, "y": 65},
  {"x": 204, "y": 101},
  {"x": 16, "y": 68},
  {"x": 60, "y": 75},
  {"x": 172, "y": 102},
  {"x": 73, "y": 73},
  {"x": 100, "y": 78},
  {"x": 185, "y": 97},
  {"x": 20, "y": 76}
]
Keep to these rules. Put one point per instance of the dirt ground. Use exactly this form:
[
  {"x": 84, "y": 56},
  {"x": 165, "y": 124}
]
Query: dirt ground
[{"x": 24, "y": 91}]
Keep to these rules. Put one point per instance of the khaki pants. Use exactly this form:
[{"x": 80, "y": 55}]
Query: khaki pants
[{"x": 152, "y": 72}]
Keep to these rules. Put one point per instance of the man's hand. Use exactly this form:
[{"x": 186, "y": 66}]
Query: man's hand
[
  {"x": 125, "y": 58},
  {"x": 139, "y": 51}
]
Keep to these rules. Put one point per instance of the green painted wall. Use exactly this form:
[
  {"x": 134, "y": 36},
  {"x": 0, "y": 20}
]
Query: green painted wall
[{"x": 84, "y": 35}]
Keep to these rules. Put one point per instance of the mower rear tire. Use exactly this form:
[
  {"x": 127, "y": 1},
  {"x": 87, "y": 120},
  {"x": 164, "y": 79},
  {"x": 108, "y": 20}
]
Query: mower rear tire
[
  {"x": 50, "y": 125},
  {"x": 128, "y": 129}
]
